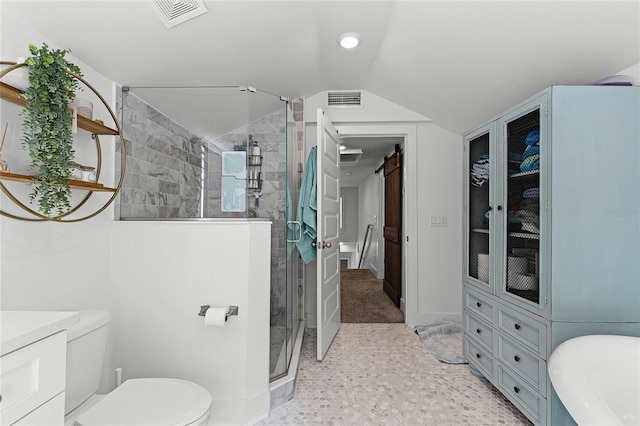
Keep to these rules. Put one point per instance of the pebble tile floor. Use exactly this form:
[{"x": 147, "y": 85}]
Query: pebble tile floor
[{"x": 381, "y": 374}]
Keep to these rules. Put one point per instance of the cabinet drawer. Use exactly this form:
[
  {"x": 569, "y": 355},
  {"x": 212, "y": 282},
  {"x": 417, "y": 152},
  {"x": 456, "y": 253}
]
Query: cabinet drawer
[
  {"x": 529, "y": 332},
  {"x": 480, "y": 306},
  {"x": 530, "y": 402},
  {"x": 31, "y": 376},
  {"x": 480, "y": 330},
  {"x": 524, "y": 363},
  {"x": 479, "y": 358},
  {"x": 49, "y": 414}
]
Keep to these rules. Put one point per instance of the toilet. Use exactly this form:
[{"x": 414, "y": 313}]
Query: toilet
[{"x": 136, "y": 402}]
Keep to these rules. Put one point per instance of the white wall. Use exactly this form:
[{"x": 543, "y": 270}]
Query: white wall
[
  {"x": 440, "y": 159},
  {"x": 350, "y": 224},
  {"x": 47, "y": 265},
  {"x": 370, "y": 213},
  {"x": 634, "y": 72},
  {"x": 373, "y": 109},
  {"x": 433, "y": 185},
  {"x": 162, "y": 272}
]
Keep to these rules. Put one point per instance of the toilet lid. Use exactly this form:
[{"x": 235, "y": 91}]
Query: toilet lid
[{"x": 149, "y": 402}]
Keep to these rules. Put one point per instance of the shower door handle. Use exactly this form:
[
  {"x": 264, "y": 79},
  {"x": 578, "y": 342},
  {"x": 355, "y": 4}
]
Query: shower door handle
[{"x": 299, "y": 225}]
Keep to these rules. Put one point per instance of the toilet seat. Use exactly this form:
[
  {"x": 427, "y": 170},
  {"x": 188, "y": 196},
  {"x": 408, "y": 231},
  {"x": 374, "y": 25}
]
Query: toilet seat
[{"x": 150, "y": 402}]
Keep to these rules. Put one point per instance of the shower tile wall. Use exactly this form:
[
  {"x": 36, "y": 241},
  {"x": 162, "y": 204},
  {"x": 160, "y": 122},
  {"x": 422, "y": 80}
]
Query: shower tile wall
[
  {"x": 270, "y": 133},
  {"x": 164, "y": 164}
]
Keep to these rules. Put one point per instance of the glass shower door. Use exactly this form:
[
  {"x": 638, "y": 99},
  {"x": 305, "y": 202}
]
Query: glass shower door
[
  {"x": 295, "y": 266},
  {"x": 286, "y": 293}
]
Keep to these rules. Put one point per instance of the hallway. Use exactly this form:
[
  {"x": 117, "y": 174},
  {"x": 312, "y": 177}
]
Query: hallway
[{"x": 381, "y": 374}]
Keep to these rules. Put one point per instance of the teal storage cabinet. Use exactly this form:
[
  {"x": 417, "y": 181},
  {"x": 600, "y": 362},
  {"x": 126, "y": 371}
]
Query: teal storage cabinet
[{"x": 551, "y": 235}]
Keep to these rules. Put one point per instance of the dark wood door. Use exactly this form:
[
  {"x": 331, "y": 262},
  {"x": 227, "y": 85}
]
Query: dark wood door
[{"x": 393, "y": 227}]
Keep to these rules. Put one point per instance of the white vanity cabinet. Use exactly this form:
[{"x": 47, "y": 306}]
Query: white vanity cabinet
[
  {"x": 33, "y": 367},
  {"x": 552, "y": 235}
]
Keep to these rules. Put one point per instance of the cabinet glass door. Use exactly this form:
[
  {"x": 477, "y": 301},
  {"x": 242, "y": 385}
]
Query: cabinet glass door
[
  {"x": 522, "y": 210},
  {"x": 479, "y": 219}
]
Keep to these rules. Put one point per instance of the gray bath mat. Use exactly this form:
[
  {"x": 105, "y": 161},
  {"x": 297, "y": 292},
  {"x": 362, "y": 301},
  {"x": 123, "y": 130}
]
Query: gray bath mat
[{"x": 443, "y": 338}]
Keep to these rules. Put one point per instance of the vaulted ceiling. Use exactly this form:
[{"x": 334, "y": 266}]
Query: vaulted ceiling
[{"x": 458, "y": 63}]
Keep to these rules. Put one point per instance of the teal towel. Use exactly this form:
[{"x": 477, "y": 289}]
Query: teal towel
[{"x": 307, "y": 209}]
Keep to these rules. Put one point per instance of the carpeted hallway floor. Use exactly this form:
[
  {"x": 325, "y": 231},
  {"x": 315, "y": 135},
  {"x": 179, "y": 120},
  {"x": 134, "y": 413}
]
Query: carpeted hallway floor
[{"x": 364, "y": 301}]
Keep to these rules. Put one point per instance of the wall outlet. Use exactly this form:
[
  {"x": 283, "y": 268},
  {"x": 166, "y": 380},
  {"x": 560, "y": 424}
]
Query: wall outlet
[{"x": 438, "y": 220}]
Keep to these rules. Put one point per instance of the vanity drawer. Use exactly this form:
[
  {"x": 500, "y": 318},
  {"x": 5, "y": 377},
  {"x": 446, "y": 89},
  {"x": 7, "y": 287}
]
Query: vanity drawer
[
  {"x": 49, "y": 414},
  {"x": 479, "y": 305},
  {"x": 530, "y": 402},
  {"x": 529, "y": 332},
  {"x": 480, "y": 330},
  {"x": 479, "y": 358},
  {"x": 524, "y": 363},
  {"x": 31, "y": 376}
]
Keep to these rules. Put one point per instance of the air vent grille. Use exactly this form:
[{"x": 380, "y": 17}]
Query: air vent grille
[
  {"x": 344, "y": 99},
  {"x": 174, "y": 12},
  {"x": 350, "y": 156}
]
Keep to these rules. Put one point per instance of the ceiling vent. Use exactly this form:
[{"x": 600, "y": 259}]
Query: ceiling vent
[
  {"x": 350, "y": 156},
  {"x": 344, "y": 99},
  {"x": 174, "y": 12}
]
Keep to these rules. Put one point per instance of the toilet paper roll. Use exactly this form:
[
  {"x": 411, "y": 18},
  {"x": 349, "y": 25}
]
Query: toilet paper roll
[{"x": 216, "y": 317}]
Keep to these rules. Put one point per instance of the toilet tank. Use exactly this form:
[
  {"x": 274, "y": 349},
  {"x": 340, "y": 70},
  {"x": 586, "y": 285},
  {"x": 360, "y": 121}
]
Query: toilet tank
[{"x": 86, "y": 348}]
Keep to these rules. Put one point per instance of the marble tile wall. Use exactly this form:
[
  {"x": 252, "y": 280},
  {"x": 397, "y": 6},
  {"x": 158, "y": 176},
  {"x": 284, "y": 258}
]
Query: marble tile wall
[{"x": 164, "y": 164}]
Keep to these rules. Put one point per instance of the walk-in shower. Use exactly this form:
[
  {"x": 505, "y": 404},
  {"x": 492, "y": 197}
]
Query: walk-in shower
[{"x": 200, "y": 153}]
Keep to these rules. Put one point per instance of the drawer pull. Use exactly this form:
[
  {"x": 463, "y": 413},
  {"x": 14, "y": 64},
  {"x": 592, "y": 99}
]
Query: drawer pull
[
  {"x": 517, "y": 326},
  {"x": 478, "y": 356},
  {"x": 516, "y": 358},
  {"x": 478, "y": 330},
  {"x": 478, "y": 304},
  {"x": 516, "y": 389}
]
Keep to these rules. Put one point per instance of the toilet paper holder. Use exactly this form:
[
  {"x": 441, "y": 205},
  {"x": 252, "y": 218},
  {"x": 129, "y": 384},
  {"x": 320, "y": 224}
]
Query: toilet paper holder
[{"x": 233, "y": 310}]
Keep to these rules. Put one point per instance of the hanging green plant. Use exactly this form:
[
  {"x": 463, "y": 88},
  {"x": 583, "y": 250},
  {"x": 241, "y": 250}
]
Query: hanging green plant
[{"x": 47, "y": 126}]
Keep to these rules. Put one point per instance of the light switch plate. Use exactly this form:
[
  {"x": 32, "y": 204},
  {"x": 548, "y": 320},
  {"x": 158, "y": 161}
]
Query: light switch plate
[{"x": 438, "y": 220}]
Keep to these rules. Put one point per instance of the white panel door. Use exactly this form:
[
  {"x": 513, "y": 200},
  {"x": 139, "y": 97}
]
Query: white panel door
[{"x": 328, "y": 261}]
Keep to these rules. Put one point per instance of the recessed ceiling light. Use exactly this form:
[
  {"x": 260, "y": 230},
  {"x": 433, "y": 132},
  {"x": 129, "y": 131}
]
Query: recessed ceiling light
[{"x": 349, "y": 40}]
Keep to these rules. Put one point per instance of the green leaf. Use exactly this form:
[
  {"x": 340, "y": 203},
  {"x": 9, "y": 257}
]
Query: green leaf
[{"x": 47, "y": 126}]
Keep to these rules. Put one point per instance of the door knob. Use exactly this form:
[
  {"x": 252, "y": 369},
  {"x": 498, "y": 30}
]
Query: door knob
[
  {"x": 314, "y": 244},
  {"x": 326, "y": 244}
]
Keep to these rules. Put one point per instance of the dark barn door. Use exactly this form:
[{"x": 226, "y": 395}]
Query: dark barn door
[{"x": 393, "y": 226}]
